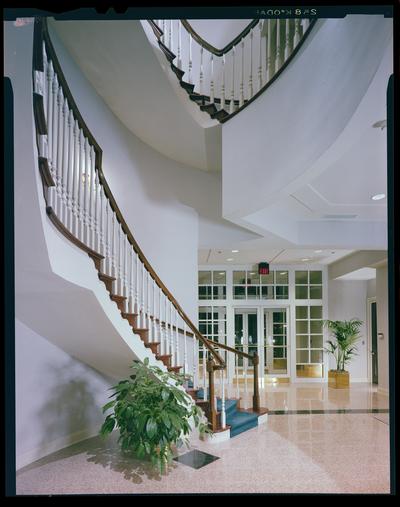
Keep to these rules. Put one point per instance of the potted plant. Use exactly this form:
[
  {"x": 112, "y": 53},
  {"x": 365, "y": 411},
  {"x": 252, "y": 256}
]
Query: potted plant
[
  {"x": 152, "y": 414},
  {"x": 346, "y": 334}
]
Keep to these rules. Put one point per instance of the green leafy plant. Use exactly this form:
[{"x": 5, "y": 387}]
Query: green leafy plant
[
  {"x": 152, "y": 414},
  {"x": 346, "y": 334}
]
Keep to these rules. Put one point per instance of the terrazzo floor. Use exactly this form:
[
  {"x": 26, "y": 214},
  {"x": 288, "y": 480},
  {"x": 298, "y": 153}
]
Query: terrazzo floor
[{"x": 291, "y": 453}]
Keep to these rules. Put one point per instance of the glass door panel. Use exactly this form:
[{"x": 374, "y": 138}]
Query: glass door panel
[
  {"x": 246, "y": 338},
  {"x": 275, "y": 341}
]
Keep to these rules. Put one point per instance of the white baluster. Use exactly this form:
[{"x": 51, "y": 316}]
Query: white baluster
[
  {"x": 260, "y": 57},
  {"x": 204, "y": 373},
  {"x": 296, "y": 38},
  {"x": 155, "y": 337},
  {"x": 163, "y": 36},
  {"x": 101, "y": 220},
  {"x": 212, "y": 80},
  {"x": 177, "y": 356},
  {"x": 237, "y": 375},
  {"x": 126, "y": 284},
  {"x": 96, "y": 198},
  {"x": 54, "y": 145},
  {"x": 223, "y": 83},
  {"x": 241, "y": 98},
  {"x": 201, "y": 70},
  {"x": 232, "y": 103},
  {"x": 149, "y": 322},
  {"x": 185, "y": 363},
  {"x": 137, "y": 290},
  {"x": 195, "y": 361},
  {"x": 268, "y": 38},
  {"x": 142, "y": 300},
  {"x": 107, "y": 241},
  {"x": 223, "y": 412},
  {"x": 251, "y": 65},
  {"x": 171, "y": 336},
  {"x": 59, "y": 151},
  {"x": 114, "y": 272},
  {"x": 287, "y": 39},
  {"x": 70, "y": 169},
  {"x": 278, "y": 46},
  {"x": 166, "y": 327},
  {"x": 179, "y": 62},
  {"x": 64, "y": 160},
  {"x": 81, "y": 183},
  {"x": 50, "y": 129},
  {"x": 170, "y": 42},
  {"x": 86, "y": 190},
  {"x": 163, "y": 347},
  {"x": 121, "y": 260},
  {"x": 91, "y": 190},
  {"x": 190, "y": 59},
  {"x": 76, "y": 181},
  {"x": 131, "y": 306}
]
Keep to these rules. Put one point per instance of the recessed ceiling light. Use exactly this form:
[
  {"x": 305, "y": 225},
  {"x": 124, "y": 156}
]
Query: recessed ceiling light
[
  {"x": 230, "y": 259},
  {"x": 282, "y": 273},
  {"x": 305, "y": 259},
  {"x": 235, "y": 251},
  {"x": 318, "y": 251},
  {"x": 378, "y": 197},
  {"x": 222, "y": 273}
]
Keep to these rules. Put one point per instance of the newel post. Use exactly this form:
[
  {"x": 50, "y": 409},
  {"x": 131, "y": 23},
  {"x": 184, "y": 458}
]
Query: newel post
[
  {"x": 213, "y": 412},
  {"x": 256, "y": 393}
]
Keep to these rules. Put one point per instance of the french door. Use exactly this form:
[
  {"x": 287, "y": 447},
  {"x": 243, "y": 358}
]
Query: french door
[
  {"x": 246, "y": 339},
  {"x": 275, "y": 341}
]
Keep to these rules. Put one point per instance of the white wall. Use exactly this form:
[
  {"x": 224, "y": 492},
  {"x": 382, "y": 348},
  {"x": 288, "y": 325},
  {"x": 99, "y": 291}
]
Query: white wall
[
  {"x": 348, "y": 299},
  {"x": 58, "y": 399},
  {"x": 383, "y": 327}
]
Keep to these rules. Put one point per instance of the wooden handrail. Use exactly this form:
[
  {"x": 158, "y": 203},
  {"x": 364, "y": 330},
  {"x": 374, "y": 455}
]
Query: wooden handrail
[
  {"x": 42, "y": 33},
  {"x": 230, "y": 349},
  {"x": 209, "y": 47}
]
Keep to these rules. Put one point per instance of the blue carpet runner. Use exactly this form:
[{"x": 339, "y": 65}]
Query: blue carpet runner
[{"x": 238, "y": 421}]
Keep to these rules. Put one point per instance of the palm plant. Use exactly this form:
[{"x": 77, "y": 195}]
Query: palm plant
[{"x": 346, "y": 334}]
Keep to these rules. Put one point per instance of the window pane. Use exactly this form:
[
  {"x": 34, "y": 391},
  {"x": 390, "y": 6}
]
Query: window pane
[
  {"x": 253, "y": 278},
  {"x": 267, "y": 292},
  {"x": 302, "y": 326},
  {"x": 316, "y": 341},
  {"x": 316, "y": 356},
  {"x": 239, "y": 292},
  {"x": 219, "y": 277},
  {"x": 267, "y": 279},
  {"x": 301, "y": 277},
  {"x": 301, "y": 312},
  {"x": 205, "y": 292},
  {"x": 253, "y": 292},
  {"x": 204, "y": 277},
  {"x": 315, "y": 277},
  {"x": 316, "y": 326},
  {"x": 315, "y": 292},
  {"x": 279, "y": 329},
  {"x": 302, "y": 342},
  {"x": 278, "y": 317},
  {"x": 315, "y": 312},
  {"x": 302, "y": 356},
  {"x": 301, "y": 292},
  {"x": 239, "y": 277},
  {"x": 279, "y": 352},
  {"x": 282, "y": 277},
  {"x": 219, "y": 312},
  {"x": 279, "y": 340},
  {"x": 282, "y": 292},
  {"x": 202, "y": 328},
  {"x": 219, "y": 292}
]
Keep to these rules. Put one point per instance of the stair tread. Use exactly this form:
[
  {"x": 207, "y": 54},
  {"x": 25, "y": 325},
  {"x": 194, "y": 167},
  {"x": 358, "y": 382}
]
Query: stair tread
[
  {"x": 117, "y": 296},
  {"x": 128, "y": 314},
  {"x": 106, "y": 277}
]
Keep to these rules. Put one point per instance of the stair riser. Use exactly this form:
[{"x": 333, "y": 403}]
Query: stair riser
[{"x": 153, "y": 347}]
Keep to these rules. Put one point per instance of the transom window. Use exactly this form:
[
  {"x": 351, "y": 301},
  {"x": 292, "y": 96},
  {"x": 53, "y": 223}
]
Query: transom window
[
  {"x": 212, "y": 285},
  {"x": 251, "y": 285}
]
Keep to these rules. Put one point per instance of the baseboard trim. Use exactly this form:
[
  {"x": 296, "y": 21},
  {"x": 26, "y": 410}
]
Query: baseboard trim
[{"x": 60, "y": 443}]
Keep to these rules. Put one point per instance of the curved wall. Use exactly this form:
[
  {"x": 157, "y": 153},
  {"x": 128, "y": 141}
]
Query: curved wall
[{"x": 282, "y": 134}]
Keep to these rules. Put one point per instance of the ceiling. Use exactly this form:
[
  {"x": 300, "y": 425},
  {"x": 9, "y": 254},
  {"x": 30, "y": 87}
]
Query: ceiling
[
  {"x": 271, "y": 255},
  {"x": 359, "y": 274}
]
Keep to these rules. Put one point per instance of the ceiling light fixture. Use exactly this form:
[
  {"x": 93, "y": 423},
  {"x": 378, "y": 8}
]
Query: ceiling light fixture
[
  {"x": 283, "y": 272},
  {"x": 222, "y": 273},
  {"x": 378, "y": 197},
  {"x": 235, "y": 251},
  {"x": 305, "y": 259},
  {"x": 230, "y": 259},
  {"x": 379, "y": 124},
  {"x": 318, "y": 251}
]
